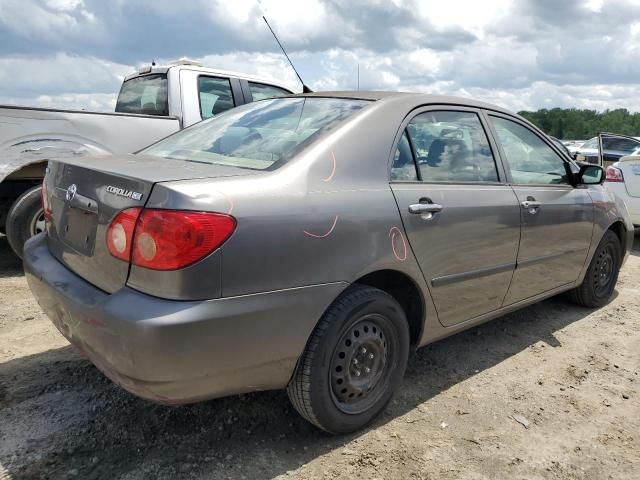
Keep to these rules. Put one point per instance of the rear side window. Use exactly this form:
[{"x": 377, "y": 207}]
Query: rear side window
[
  {"x": 260, "y": 91},
  {"x": 215, "y": 96},
  {"x": 260, "y": 135},
  {"x": 530, "y": 160},
  {"x": 145, "y": 95},
  {"x": 451, "y": 147}
]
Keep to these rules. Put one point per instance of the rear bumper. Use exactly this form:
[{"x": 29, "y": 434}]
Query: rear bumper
[{"x": 176, "y": 351}]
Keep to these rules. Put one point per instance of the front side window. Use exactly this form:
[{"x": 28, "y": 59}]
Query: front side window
[
  {"x": 260, "y": 136},
  {"x": 145, "y": 95},
  {"x": 215, "y": 96},
  {"x": 451, "y": 147},
  {"x": 260, "y": 91},
  {"x": 530, "y": 159}
]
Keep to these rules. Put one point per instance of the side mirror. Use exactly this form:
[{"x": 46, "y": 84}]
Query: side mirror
[{"x": 590, "y": 175}]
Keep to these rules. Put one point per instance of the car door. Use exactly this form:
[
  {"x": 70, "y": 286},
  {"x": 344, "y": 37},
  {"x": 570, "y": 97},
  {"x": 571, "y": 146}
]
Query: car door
[
  {"x": 205, "y": 95},
  {"x": 462, "y": 220},
  {"x": 557, "y": 218}
]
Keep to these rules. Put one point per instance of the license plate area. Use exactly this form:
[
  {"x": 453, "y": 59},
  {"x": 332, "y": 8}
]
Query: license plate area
[{"x": 78, "y": 230}]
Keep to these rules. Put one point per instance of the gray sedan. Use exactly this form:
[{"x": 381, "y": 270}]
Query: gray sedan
[{"x": 310, "y": 242}]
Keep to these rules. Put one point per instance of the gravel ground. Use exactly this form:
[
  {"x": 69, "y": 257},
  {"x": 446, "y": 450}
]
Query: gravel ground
[{"x": 549, "y": 392}]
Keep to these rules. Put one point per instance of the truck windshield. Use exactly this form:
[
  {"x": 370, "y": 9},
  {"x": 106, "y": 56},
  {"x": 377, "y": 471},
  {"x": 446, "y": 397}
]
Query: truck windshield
[
  {"x": 146, "y": 95},
  {"x": 262, "y": 136}
]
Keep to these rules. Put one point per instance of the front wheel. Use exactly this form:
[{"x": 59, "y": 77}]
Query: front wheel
[
  {"x": 353, "y": 362},
  {"x": 25, "y": 219},
  {"x": 602, "y": 275}
]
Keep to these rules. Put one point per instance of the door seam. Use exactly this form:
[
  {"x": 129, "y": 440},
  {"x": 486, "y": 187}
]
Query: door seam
[{"x": 513, "y": 273}]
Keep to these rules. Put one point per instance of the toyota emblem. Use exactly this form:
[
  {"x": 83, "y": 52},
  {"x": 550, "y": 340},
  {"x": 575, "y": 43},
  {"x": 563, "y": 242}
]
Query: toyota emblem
[{"x": 71, "y": 192}]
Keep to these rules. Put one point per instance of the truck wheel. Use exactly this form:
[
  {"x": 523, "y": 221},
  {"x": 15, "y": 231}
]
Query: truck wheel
[
  {"x": 353, "y": 362},
  {"x": 25, "y": 219},
  {"x": 601, "y": 277}
]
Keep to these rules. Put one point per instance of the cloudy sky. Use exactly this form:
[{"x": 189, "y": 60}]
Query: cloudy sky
[{"x": 521, "y": 54}]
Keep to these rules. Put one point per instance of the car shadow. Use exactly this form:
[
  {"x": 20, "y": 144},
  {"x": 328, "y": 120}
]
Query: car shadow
[
  {"x": 635, "y": 248},
  {"x": 57, "y": 404},
  {"x": 10, "y": 264}
]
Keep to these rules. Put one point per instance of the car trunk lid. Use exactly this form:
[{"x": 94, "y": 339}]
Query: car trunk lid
[
  {"x": 84, "y": 196},
  {"x": 630, "y": 167}
]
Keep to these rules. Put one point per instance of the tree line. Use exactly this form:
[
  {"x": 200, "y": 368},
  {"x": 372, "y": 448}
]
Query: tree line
[{"x": 574, "y": 124}]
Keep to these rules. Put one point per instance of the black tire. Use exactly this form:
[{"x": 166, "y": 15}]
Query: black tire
[
  {"x": 364, "y": 333},
  {"x": 600, "y": 280},
  {"x": 23, "y": 217}
]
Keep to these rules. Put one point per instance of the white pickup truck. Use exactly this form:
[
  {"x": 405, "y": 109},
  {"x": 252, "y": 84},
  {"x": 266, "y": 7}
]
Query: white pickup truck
[{"x": 153, "y": 103}]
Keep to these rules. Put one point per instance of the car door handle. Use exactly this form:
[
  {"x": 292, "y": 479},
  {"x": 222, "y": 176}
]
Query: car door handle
[
  {"x": 420, "y": 208},
  {"x": 528, "y": 204}
]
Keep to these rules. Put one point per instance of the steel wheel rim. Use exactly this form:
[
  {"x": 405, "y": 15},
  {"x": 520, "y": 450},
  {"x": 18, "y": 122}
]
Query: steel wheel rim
[
  {"x": 604, "y": 271},
  {"x": 37, "y": 223},
  {"x": 361, "y": 364}
]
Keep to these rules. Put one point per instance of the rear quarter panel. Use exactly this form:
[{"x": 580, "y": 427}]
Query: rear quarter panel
[
  {"x": 327, "y": 216},
  {"x": 608, "y": 209}
]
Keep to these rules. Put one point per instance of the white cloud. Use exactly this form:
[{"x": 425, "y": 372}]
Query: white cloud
[
  {"x": 94, "y": 102},
  {"x": 269, "y": 66},
  {"x": 61, "y": 73},
  {"x": 469, "y": 14},
  {"x": 517, "y": 53}
]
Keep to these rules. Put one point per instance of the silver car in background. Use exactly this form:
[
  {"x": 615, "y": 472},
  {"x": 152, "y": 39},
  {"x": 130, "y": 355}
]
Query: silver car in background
[{"x": 310, "y": 242}]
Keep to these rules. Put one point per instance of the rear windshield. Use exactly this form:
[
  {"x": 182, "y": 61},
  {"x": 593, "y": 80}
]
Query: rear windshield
[
  {"x": 262, "y": 136},
  {"x": 145, "y": 95}
]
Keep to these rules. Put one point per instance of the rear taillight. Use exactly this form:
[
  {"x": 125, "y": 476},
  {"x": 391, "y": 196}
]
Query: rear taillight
[
  {"x": 614, "y": 174},
  {"x": 120, "y": 233},
  {"x": 167, "y": 239},
  {"x": 45, "y": 201}
]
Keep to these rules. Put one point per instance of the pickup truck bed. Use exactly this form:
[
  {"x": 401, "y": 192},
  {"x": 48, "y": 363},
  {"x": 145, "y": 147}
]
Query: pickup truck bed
[{"x": 29, "y": 135}]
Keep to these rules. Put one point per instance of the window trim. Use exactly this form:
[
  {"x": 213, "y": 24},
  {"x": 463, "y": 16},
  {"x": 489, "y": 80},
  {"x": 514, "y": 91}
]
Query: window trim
[
  {"x": 228, "y": 79},
  {"x": 538, "y": 133},
  {"x": 502, "y": 178}
]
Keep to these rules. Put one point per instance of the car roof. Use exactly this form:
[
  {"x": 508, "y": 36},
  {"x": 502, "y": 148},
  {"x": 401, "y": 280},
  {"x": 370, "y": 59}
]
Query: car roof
[
  {"x": 418, "y": 98},
  {"x": 211, "y": 71}
]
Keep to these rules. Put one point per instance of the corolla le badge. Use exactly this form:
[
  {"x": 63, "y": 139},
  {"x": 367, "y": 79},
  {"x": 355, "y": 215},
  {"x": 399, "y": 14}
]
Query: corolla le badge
[
  {"x": 71, "y": 192},
  {"x": 121, "y": 192}
]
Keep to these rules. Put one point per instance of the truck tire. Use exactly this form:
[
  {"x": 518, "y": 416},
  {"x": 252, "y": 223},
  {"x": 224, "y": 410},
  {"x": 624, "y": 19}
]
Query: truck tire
[
  {"x": 25, "y": 219},
  {"x": 600, "y": 280},
  {"x": 353, "y": 362}
]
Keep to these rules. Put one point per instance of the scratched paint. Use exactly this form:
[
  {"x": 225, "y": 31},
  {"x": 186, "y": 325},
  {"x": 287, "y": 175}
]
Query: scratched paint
[
  {"x": 229, "y": 201},
  {"x": 395, "y": 233},
  {"x": 333, "y": 170},
  {"x": 324, "y": 235}
]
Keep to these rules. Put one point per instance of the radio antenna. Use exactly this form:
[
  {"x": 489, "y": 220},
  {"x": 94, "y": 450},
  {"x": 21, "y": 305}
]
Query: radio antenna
[{"x": 305, "y": 89}]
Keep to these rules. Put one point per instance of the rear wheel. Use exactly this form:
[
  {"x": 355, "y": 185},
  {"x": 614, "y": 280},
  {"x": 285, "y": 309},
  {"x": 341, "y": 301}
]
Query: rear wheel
[
  {"x": 602, "y": 275},
  {"x": 25, "y": 219},
  {"x": 353, "y": 362}
]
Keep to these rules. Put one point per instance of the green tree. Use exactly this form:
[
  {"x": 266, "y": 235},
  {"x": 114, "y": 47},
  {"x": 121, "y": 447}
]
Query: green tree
[{"x": 571, "y": 123}]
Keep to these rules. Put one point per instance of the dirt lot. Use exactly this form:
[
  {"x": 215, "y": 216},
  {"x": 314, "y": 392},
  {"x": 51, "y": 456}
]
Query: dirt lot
[{"x": 552, "y": 391}]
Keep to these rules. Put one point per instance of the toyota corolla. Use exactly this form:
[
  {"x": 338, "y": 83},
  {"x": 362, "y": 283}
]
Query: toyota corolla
[{"x": 311, "y": 242}]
